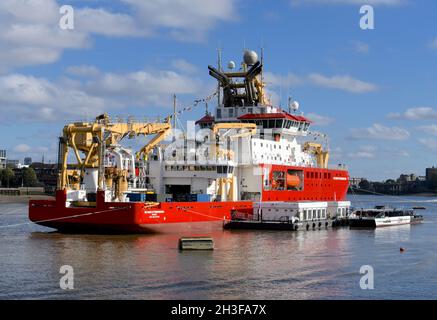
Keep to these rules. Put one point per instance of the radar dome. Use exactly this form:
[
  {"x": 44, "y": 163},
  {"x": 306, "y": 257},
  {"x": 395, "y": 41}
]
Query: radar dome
[
  {"x": 295, "y": 105},
  {"x": 231, "y": 65},
  {"x": 250, "y": 57}
]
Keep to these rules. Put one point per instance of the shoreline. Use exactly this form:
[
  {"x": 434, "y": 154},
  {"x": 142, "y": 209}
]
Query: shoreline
[
  {"x": 421, "y": 194},
  {"x": 23, "y": 198}
]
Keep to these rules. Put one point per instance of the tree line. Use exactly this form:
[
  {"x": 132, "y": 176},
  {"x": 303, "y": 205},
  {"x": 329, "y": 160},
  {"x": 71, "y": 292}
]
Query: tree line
[{"x": 8, "y": 178}]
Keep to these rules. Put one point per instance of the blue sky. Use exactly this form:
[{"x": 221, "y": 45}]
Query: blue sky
[{"x": 374, "y": 92}]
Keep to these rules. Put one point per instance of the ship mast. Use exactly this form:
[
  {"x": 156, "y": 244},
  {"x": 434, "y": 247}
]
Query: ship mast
[
  {"x": 219, "y": 66},
  {"x": 174, "y": 110}
]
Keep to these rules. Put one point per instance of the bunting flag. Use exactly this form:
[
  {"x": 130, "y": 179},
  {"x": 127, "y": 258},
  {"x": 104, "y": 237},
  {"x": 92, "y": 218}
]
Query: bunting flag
[{"x": 196, "y": 103}]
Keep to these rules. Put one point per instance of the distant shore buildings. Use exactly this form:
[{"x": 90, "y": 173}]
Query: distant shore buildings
[
  {"x": 27, "y": 174},
  {"x": 3, "y": 159},
  {"x": 404, "y": 184},
  {"x": 47, "y": 175}
]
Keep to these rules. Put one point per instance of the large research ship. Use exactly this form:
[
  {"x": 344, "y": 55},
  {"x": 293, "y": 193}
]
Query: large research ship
[{"x": 245, "y": 158}]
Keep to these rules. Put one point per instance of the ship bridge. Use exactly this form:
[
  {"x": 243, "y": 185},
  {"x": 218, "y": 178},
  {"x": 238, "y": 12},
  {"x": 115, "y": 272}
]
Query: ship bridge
[
  {"x": 280, "y": 123},
  {"x": 242, "y": 98}
]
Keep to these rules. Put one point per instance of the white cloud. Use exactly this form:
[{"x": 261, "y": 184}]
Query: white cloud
[
  {"x": 403, "y": 153},
  {"x": 364, "y": 152},
  {"x": 182, "y": 19},
  {"x": 338, "y": 82},
  {"x": 30, "y": 32},
  {"x": 345, "y": 83},
  {"x": 361, "y": 47},
  {"x": 433, "y": 43},
  {"x": 100, "y": 21},
  {"x": 278, "y": 80},
  {"x": 33, "y": 98},
  {"x": 319, "y": 120},
  {"x": 337, "y": 154},
  {"x": 83, "y": 71},
  {"x": 24, "y": 148},
  {"x": 21, "y": 148},
  {"x": 429, "y": 143},
  {"x": 350, "y": 2},
  {"x": 143, "y": 86},
  {"x": 430, "y": 129},
  {"x": 184, "y": 66},
  {"x": 394, "y": 152},
  {"x": 418, "y": 113},
  {"x": 24, "y": 97},
  {"x": 380, "y": 132}
]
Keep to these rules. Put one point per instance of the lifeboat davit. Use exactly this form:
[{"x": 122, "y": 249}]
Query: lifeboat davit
[{"x": 293, "y": 181}]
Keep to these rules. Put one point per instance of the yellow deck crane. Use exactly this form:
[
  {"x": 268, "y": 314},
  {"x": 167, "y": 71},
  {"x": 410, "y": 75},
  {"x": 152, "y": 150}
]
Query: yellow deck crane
[
  {"x": 92, "y": 139},
  {"x": 226, "y": 186},
  {"x": 322, "y": 156},
  {"x": 216, "y": 150}
]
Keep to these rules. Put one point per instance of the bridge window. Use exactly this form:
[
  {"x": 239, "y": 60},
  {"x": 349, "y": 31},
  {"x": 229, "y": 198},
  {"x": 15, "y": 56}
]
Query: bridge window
[
  {"x": 287, "y": 124},
  {"x": 300, "y": 126}
]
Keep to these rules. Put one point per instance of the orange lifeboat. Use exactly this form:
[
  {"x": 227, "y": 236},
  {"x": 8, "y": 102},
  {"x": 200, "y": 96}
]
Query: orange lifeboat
[{"x": 293, "y": 181}]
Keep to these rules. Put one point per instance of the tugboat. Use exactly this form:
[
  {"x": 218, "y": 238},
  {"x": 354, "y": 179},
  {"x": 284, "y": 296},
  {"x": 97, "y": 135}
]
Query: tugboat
[
  {"x": 248, "y": 157},
  {"x": 382, "y": 216}
]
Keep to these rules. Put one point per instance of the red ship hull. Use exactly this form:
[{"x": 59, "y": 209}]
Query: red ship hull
[
  {"x": 133, "y": 217},
  {"x": 177, "y": 217}
]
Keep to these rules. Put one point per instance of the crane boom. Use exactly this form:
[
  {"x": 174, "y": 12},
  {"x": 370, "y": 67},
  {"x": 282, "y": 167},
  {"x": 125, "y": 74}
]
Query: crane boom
[
  {"x": 322, "y": 156},
  {"x": 91, "y": 138}
]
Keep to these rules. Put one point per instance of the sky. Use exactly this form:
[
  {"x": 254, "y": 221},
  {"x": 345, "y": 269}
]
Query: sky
[{"x": 373, "y": 91}]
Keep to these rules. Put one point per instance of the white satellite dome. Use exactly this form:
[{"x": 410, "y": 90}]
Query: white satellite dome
[
  {"x": 231, "y": 65},
  {"x": 295, "y": 106},
  {"x": 250, "y": 57}
]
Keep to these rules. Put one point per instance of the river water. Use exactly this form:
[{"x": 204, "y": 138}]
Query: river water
[{"x": 322, "y": 264}]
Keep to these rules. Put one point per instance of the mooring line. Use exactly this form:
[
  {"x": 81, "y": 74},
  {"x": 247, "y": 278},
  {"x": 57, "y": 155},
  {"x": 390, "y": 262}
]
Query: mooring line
[
  {"x": 62, "y": 218},
  {"x": 205, "y": 215}
]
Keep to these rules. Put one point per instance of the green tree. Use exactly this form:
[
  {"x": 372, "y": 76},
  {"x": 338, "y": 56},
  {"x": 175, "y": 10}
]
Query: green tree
[
  {"x": 364, "y": 184},
  {"x": 29, "y": 177},
  {"x": 7, "y": 177}
]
